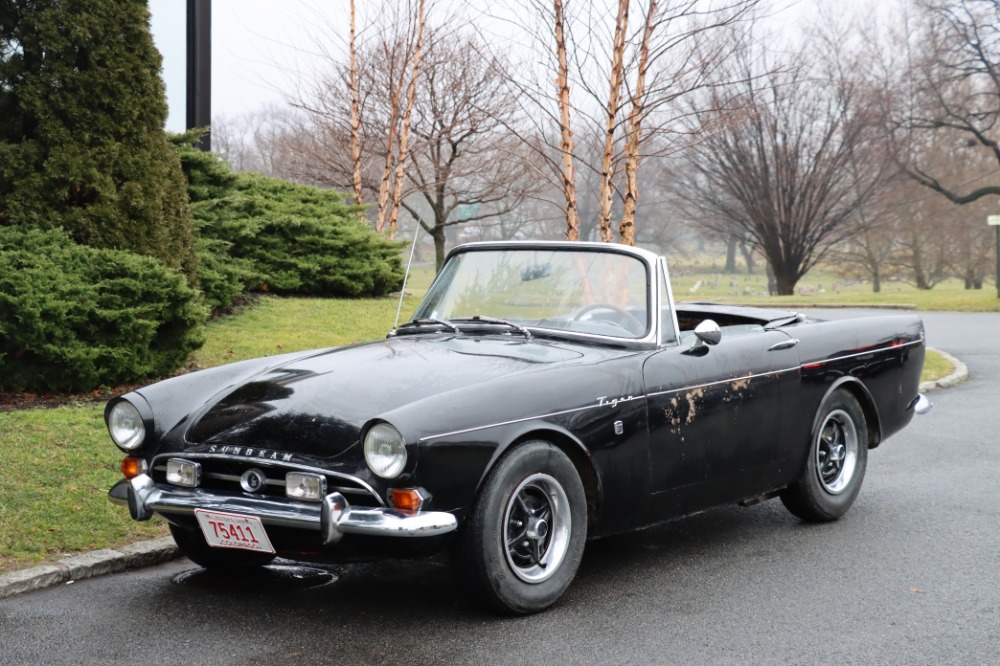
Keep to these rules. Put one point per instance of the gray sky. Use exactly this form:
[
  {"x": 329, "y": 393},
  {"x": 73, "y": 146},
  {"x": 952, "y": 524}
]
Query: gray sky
[
  {"x": 257, "y": 46},
  {"x": 260, "y": 48}
]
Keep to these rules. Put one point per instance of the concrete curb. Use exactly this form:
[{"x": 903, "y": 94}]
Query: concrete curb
[
  {"x": 88, "y": 565},
  {"x": 157, "y": 551},
  {"x": 957, "y": 376}
]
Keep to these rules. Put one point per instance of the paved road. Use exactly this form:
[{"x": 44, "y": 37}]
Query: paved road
[{"x": 907, "y": 577}]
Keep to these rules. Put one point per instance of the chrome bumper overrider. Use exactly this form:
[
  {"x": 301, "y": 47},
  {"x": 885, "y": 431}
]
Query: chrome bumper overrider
[
  {"x": 921, "y": 405},
  {"x": 332, "y": 518}
]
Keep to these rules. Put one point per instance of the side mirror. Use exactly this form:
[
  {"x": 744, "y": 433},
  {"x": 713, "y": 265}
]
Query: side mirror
[{"x": 708, "y": 333}]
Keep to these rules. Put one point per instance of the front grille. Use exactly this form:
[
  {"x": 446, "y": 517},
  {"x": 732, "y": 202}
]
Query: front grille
[{"x": 223, "y": 474}]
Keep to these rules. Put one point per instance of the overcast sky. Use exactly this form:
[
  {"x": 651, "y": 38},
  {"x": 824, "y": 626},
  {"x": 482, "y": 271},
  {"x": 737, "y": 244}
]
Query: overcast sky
[
  {"x": 257, "y": 46},
  {"x": 261, "y": 47}
]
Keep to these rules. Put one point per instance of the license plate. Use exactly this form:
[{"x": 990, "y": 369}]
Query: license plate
[{"x": 231, "y": 530}]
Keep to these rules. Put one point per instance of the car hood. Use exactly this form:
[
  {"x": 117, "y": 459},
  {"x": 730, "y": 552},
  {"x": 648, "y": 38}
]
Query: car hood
[{"x": 316, "y": 405}]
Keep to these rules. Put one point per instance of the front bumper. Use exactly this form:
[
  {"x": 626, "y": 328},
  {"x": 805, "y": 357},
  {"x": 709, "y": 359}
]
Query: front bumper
[{"x": 332, "y": 518}]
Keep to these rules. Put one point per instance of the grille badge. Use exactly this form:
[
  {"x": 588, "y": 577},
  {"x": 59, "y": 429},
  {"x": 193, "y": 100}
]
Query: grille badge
[{"x": 253, "y": 480}]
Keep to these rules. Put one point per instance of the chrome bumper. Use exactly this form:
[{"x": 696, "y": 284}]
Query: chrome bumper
[{"x": 332, "y": 518}]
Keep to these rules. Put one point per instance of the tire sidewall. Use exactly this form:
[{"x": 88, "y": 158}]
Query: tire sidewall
[
  {"x": 835, "y": 505},
  {"x": 488, "y": 529}
]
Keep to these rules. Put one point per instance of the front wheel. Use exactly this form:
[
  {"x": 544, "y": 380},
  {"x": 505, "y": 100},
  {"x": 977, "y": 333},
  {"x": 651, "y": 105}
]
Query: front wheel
[
  {"x": 522, "y": 544},
  {"x": 836, "y": 464},
  {"x": 224, "y": 560}
]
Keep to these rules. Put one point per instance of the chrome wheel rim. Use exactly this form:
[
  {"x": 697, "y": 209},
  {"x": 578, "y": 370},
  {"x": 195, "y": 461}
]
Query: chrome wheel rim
[
  {"x": 837, "y": 452},
  {"x": 537, "y": 526}
]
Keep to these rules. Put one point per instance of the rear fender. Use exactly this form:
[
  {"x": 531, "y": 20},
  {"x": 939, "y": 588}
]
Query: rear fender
[{"x": 855, "y": 387}]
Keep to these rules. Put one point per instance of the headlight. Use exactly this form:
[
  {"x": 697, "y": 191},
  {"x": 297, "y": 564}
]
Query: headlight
[
  {"x": 125, "y": 425},
  {"x": 385, "y": 450}
]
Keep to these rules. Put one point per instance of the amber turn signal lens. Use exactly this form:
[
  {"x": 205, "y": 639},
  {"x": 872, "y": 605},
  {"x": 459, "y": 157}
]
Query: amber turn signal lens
[
  {"x": 133, "y": 467},
  {"x": 407, "y": 499}
]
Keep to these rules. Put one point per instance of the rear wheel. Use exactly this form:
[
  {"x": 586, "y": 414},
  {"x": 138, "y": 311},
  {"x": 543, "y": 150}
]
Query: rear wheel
[
  {"x": 194, "y": 547},
  {"x": 522, "y": 544},
  {"x": 835, "y": 467}
]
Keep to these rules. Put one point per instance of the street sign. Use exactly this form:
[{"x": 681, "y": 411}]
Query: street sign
[{"x": 993, "y": 220}]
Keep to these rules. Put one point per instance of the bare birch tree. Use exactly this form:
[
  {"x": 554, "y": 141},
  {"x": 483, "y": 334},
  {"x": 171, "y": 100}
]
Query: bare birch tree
[
  {"x": 619, "y": 86},
  {"x": 565, "y": 126}
]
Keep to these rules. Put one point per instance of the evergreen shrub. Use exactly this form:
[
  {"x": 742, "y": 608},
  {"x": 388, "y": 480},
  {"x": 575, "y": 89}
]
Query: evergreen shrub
[{"x": 73, "y": 317}]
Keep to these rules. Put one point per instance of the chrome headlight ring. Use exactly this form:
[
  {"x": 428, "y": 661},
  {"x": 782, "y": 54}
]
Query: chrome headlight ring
[
  {"x": 385, "y": 450},
  {"x": 128, "y": 422}
]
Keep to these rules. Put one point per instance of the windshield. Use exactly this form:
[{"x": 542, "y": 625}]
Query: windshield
[{"x": 595, "y": 292}]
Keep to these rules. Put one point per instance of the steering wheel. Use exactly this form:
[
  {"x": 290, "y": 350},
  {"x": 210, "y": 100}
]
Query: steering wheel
[{"x": 629, "y": 321}]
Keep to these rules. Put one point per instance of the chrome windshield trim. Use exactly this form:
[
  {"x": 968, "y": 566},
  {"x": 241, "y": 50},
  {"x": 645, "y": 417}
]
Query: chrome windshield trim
[
  {"x": 650, "y": 260},
  {"x": 262, "y": 462}
]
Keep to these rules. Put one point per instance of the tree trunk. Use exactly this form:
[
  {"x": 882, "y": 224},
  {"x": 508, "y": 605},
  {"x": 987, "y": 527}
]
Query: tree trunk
[
  {"x": 626, "y": 230},
  {"x": 876, "y": 280},
  {"x": 359, "y": 197},
  {"x": 404, "y": 133},
  {"x": 610, "y": 121},
  {"x": 772, "y": 284},
  {"x": 730, "y": 256},
  {"x": 566, "y": 133},
  {"x": 439, "y": 244},
  {"x": 784, "y": 282},
  {"x": 747, "y": 253}
]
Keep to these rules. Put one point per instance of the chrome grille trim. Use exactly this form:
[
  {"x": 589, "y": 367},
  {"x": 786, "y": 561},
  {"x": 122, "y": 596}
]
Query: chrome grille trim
[{"x": 359, "y": 488}]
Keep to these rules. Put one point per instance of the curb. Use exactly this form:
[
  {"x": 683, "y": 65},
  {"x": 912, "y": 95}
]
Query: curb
[
  {"x": 957, "y": 376},
  {"x": 158, "y": 551},
  {"x": 88, "y": 565}
]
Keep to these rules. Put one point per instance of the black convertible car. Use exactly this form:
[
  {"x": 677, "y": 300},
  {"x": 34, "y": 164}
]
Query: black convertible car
[{"x": 543, "y": 394}]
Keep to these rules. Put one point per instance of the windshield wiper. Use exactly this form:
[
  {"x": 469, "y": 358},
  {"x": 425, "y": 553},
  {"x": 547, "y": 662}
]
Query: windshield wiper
[
  {"x": 431, "y": 321},
  {"x": 501, "y": 322}
]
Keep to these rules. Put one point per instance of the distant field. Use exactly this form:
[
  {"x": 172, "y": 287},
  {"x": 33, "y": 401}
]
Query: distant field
[{"x": 825, "y": 289}]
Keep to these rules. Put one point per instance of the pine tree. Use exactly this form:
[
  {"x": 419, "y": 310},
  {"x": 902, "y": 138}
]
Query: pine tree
[{"x": 82, "y": 146}]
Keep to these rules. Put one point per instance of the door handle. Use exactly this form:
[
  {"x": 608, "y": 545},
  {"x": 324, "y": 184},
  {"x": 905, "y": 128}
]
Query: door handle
[{"x": 785, "y": 344}]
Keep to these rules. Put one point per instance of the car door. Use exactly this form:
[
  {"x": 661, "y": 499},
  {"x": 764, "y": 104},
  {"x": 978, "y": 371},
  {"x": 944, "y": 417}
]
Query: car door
[{"x": 716, "y": 416}]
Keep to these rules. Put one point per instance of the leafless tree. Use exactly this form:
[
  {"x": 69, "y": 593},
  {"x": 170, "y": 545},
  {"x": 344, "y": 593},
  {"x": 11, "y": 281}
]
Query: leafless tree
[
  {"x": 776, "y": 157},
  {"x": 619, "y": 85},
  {"x": 458, "y": 163},
  {"x": 952, "y": 86}
]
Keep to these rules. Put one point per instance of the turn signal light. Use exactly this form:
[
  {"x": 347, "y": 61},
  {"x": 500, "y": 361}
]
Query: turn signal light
[
  {"x": 133, "y": 467},
  {"x": 407, "y": 499}
]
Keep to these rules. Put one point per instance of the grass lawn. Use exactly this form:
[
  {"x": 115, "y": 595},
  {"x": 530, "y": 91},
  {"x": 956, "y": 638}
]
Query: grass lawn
[
  {"x": 824, "y": 289},
  {"x": 59, "y": 463}
]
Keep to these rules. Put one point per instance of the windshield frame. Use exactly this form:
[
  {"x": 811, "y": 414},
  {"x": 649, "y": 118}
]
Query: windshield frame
[{"x": 652, "y": 264}]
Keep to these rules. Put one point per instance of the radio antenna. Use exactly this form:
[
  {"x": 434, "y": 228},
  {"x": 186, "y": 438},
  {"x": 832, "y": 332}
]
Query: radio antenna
[{"x": 406, "y": 276}]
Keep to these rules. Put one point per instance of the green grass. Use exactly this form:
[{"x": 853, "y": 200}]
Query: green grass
[
  {"x": 58, "y": 464},
  {"x": 824, "y": 289},
  {"x": 935, "y": 367}
]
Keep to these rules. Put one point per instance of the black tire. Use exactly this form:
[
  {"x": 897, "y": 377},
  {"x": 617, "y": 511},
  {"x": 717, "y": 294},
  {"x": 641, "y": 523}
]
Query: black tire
[
  {"x": 224, "y": 560},
  {"x": 835, "y": 466},
  {"x": 522, "y": 543}
]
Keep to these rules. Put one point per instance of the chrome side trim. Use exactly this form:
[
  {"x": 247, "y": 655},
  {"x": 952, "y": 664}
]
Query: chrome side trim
[
  {"x": 333, "y": 517},
  {"x": 864, "y": 353},
  {"x": 722, "y": 381},
  {"x": 796, "y": 368}
]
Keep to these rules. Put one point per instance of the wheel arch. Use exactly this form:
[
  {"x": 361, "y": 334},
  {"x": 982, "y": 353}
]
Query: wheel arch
[
  {"x": 860, "y": 392},
  {"x": 577, "y": 454}
]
